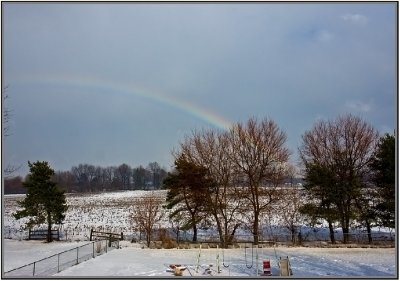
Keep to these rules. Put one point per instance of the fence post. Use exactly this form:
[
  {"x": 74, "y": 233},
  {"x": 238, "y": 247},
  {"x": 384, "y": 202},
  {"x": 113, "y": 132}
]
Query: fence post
[
  {"x": 77, "y": 255},
  {"x": 58, "y": 263},
  {"x": 91, "y": 232},
  {"x": 34, "y": 264}
]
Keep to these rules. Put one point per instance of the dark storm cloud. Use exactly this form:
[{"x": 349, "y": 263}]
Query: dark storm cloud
[{"x": 293, "y": 62}]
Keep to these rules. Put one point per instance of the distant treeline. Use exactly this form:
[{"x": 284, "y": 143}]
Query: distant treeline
[
  {"x": 90, "y": 178},
  {"x": 14, "y": 185}
]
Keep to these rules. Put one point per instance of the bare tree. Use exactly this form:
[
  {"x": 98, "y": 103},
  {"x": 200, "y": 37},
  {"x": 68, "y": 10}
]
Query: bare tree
[
  {"x": 291, "y": 173},
  {"x": 210, "y": 149},
  {"x": 105, "y": 177},
  {"x": 6, "y": 113},
  {"x": 156, "y": 173},
  {"x": 65, "y": 180},
  {"x": 147, "y": 213},
  {"x": 289, "y": 211},
  {"x": 246, "y": 164},
  {"x": 6, "y": 117},
  {"x": 91, "y": 175},
  {"x": 343, "y": 149},
  {"x": 259, "y": 156},
  {"x": 124, "y": 174},
  {"x": 141, "y": 177},
  {"x": 85, "y": 176}
]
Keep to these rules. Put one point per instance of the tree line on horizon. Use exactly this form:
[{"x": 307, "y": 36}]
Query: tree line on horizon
[{"x": 90, "y": 178}]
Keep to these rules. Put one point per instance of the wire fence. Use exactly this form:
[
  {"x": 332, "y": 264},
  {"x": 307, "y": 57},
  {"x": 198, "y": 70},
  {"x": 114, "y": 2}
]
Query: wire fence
[
  {"x": 357, "y": 237},
  {"x": 314, "y": 237},
  {"x": 58, "y": 262}
]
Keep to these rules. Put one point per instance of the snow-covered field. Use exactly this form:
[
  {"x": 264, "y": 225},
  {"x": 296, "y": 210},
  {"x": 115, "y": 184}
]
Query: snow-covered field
[
  {"x": 133, "y": 261},
  {"x": 112, "y": 211},
  {"x": 101, "y": 211}
]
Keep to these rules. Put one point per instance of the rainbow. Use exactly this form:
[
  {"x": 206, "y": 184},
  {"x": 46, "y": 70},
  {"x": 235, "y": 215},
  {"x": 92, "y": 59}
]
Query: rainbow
[{"x": 133, "y": 89}]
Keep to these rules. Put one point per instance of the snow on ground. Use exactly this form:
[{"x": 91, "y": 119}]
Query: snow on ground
[
  {"x": 305, "y": 262},
  {"x": 111, "y": 211},
  {"x": 18, "y": 253},
  {"x": 133, "y": 261},
  {"x": 106, "y": 211}
]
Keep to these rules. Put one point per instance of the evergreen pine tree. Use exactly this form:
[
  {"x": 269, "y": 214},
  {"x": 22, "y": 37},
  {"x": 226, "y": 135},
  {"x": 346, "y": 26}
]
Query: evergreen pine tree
[
  {"x": 187, "y": 192},
  {"x": 44, "y": 201},
  {"x": 384, "y": 177}
]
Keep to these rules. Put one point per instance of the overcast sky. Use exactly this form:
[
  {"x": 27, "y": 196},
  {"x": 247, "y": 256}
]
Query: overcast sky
[{"x": 106, "y": 84}]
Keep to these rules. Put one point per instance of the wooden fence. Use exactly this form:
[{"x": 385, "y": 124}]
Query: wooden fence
[
  {"x": 41, "y": 234},
  {"x": 106, "y": 235}
]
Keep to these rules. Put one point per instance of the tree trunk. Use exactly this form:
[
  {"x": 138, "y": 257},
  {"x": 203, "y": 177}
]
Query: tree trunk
[
  {"x": 369, "y": 232},
  {"x": 345, "y": 231},
  {"x": 49, "y": 237},
  {"x": 147, "y": 231},
  {"x": 232, "y": 235},
  {"x": 148, "y": 239},
  {"x": 293, "y": 234},
  {"x": 219, "y": 227},
  {"x": 300, "y": 238},
  {"x": 194, "y": 233},
  {"x": 331, "y": 232},
  {"x": 225, "y": 242},
  {"x": 255, "y": 228}
]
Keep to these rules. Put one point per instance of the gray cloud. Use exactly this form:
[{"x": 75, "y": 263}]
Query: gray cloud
[
  {"x": 356, "y": 18},
  {"x": 358, "y": 106},
  {"x": 291, "y": 62}
]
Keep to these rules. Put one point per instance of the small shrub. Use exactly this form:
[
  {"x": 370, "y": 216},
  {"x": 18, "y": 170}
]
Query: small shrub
[{"x": 166, "y": 241}]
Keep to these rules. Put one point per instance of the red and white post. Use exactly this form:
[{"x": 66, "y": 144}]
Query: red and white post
[{"x": 267, "y": 267}]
